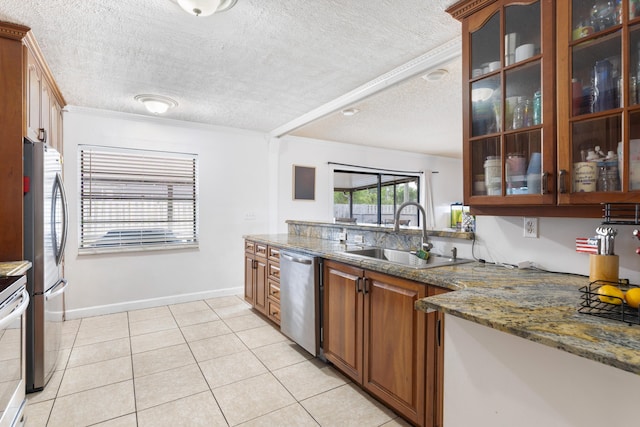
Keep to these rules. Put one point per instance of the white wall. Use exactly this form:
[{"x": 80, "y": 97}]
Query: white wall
[
  {"x": 246, "y": 188},
  {"x": 496, "y": 379},
  {"x": 233, "y": 202},
  {"x": 289, "y": 151},
  {"x": 501, "y": 240}
]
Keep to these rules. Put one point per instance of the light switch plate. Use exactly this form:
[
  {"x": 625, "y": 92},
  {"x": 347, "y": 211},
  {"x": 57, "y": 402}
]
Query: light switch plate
[{"x": 531, "y": 227}]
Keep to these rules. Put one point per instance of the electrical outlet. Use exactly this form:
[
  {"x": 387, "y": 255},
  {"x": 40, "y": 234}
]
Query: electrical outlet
[
  {"x": 531, "y": 227},
  {"x": 342, "y": 236},
  {"x": 358, "y": 239}
]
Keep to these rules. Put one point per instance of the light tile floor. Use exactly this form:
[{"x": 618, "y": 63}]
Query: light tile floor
[{"x": 204, "y": 363}]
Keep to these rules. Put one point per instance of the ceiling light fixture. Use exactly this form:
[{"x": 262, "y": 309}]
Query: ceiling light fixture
[
  {"x": 206, "y": 7},
  {"x": 434, "y": 75},
  {"x": 348, "y": 112},
  {"x": 156, "y": 104}
]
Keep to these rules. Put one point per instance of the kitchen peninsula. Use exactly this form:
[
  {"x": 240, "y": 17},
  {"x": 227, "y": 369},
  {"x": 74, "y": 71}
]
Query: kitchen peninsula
[{"x": 486, "y": 359}]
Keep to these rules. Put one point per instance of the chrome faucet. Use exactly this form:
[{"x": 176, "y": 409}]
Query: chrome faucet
[{"x": 396, "y": 227}]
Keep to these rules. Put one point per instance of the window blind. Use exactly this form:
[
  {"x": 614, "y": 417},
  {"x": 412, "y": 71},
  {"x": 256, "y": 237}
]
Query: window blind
[{"x": 137, "y": 199}]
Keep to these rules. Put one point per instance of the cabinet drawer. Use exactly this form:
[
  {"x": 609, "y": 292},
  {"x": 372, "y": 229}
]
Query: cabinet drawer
[
  {"x": 273, "y": 311},
  {"x": 274, "y": 291},
  {"x": 261, "y": 250},
  {"x": 249, "y": 247},
  {"x": 274, "y": 254},
  {"x": 274, "y": 271}
]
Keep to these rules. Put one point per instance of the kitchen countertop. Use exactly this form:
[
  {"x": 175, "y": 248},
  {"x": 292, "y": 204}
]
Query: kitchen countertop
[
  {"x": 532, "y": 304},
  {"x": 14, "y": 268}
]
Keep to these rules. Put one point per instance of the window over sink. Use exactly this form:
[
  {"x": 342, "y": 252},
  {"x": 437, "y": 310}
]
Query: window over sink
[
  {"x": 136, "y": 199},
  {"x": 374, "y": 197}
]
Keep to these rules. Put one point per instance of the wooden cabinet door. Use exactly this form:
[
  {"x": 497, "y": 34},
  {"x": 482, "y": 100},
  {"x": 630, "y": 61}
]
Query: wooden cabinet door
[
  {"x": 46, "y": 99},
  {"x": 343, "y": 304},
  {"x": 249, "y": 279},
  {"x": 509, "y": 116},
  {"x": 34, "y": 89},
  {"x": 261, "y": 285},
  {"x": 434, "y": 368},
  {"x": 54, "y": 136},
  {"x": 394, "y": 343}
]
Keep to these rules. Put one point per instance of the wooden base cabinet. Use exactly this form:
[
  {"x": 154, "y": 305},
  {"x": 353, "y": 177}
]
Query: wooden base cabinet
[
  {"x": 255, "y": 275},
  {"x": 273, "y": 289},
  {"x": 374, "y": 335},
  {"x": 262, "y": 279}
]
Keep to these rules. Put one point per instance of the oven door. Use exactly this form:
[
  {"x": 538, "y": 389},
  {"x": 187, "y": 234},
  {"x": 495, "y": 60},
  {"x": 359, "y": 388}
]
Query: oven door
[{"x": 12, "y": 358}]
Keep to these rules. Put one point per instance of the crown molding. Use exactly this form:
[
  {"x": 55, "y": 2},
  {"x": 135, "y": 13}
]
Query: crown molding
[
  {"x": 465, "y": 8},
  {"x": 12, "y": 31}
]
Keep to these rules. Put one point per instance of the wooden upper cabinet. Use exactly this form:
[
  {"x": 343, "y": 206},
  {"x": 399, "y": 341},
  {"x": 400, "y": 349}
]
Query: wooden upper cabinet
[
  {"x": 44, "y": 108},
  {"x": 580, "y": 60},
  {"x": 29, "y": 93},
  {"x": 509, "y": 124},
  {"x": 34, "y": 91},
  {"x": 598, "y": 101},
  {"x": 54, "y": 137}
]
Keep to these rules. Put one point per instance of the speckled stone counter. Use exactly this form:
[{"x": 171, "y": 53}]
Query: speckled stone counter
[
  {"x": 535, "y": 305},
  {"x": 14, "y": 268}
]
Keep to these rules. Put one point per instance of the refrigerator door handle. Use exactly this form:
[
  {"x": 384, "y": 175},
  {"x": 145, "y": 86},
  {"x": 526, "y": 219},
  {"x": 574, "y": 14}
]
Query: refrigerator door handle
[
  {"x": 59, "y": 250},
  {"x": 56, "y": 290}
]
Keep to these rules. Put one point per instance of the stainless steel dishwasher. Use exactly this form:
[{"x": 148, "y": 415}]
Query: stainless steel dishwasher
[{"x": 300, "y": 299}]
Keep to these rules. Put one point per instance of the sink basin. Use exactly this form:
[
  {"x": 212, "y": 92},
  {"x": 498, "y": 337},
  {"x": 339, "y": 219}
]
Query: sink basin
[{"x": 405, "y": 258}]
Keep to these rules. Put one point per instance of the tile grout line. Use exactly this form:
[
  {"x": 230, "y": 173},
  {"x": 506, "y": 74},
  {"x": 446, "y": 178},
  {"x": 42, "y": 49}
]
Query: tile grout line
[
  {"x": 200, "y": 368},
  {"x": 133, "y": 372},
  {"x": 253, "y": 351}
]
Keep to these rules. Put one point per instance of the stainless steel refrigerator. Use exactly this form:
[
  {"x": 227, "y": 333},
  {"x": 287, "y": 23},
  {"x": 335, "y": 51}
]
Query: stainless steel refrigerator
[{"x": 45, "y": 233}]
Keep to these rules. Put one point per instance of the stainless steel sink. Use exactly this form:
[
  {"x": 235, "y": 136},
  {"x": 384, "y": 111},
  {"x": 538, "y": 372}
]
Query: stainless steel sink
[{"x": 405, "y": 258}]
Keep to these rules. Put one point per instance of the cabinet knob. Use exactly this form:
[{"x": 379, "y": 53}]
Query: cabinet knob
[{"x": 562, "y": 176}]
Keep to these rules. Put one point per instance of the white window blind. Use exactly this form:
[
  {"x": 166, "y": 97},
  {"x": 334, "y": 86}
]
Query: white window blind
[{"x": 137, "y": 199}]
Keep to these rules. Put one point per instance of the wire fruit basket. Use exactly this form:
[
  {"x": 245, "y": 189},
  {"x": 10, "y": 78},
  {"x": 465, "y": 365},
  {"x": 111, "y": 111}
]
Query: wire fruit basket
[{"x": 618, "y": 309}]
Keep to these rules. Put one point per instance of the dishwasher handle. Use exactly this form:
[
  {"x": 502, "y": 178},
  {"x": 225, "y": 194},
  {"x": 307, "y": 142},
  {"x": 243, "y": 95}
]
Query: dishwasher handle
[{"x": 296, "y": 259}]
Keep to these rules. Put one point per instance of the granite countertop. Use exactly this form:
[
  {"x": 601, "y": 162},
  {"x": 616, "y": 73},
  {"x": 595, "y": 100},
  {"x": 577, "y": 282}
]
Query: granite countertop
[
  {"x": 14, "y": 268},
  {"x": 536, "y": 305}
]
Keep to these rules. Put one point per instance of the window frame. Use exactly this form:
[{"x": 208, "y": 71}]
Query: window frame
[
  {"x": 132, "y": 180},
  {"x": 379, "y": 185}
]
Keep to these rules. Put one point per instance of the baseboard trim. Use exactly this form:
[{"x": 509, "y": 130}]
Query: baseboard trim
[{"x": 148, "y": 303}]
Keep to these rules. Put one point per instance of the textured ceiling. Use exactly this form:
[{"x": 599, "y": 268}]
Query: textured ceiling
[
  {"x": 258, "y": 66},
  {"x": 414, "y": 115}
]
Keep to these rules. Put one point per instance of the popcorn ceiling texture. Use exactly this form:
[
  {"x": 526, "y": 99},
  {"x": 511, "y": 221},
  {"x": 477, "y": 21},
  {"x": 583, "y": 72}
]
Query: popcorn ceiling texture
[{"x": 256, "y": 66}]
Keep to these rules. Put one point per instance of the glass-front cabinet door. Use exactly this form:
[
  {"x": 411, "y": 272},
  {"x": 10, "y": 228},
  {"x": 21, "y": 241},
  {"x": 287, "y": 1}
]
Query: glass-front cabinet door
[
  {"x": 598, "y": 101},
  {"x": 509, "y": 153}
]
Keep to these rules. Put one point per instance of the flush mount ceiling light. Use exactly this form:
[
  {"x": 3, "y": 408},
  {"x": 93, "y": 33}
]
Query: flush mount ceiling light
[
  {"x": 156, "y": 104},
  {"x": 206, "y": 7},
  {"x": 348, "y": 112},
  {"x": 434, "y": 75}
]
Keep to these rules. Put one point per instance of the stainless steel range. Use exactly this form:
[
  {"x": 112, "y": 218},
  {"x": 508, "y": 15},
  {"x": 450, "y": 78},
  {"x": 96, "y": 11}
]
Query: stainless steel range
[{"x": 14, "y": 300}]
